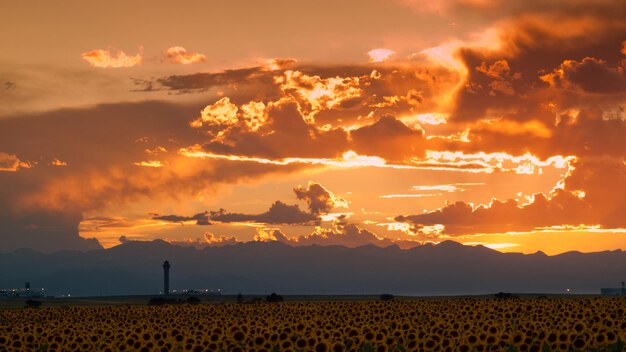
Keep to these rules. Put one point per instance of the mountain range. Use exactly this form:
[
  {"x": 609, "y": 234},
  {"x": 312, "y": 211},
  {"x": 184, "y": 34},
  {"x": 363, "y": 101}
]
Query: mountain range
[{"x": 447, "y": 268}]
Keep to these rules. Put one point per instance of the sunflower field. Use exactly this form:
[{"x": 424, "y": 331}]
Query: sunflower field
[{"x": 461, "y": 324}]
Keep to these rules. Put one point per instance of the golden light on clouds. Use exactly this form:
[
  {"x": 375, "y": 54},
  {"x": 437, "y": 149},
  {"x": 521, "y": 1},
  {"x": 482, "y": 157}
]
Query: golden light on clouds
[
  {"x": 57, "y": 162},
  {"x": 222, "y": 112},
  {"x": 429, "y": 118},
  {"x": 180, "y": 55},
  {"x": 380, "y": 55},
  {"x": 349, "y": 159},
  {"x": 515, "y": 106},
  {"x": 150, "y": 163},
  {"x": 279, "y": 64},
  {"x": 254, "y": 114},
  {"x": 111, "y": 59},
  {"x": 491, "y": 162},
  {"x": 315, "y": 94},
  {"x": 11, "y": 163}
]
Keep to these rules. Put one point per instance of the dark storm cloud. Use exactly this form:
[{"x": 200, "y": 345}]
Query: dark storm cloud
[
  {"x": 590, "y": 75},
  {"x": 200, "y": 218},
  {"x": 278, "y": 213},
  {"x": 101, "y": 146}
]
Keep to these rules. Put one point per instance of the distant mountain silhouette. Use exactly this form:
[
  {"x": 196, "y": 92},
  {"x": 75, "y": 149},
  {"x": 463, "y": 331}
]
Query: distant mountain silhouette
[{"x": 448, "y": 268}]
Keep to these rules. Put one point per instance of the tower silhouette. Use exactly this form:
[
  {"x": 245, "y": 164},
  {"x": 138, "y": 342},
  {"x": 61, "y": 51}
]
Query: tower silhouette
[{"x": 166, "y": 278}]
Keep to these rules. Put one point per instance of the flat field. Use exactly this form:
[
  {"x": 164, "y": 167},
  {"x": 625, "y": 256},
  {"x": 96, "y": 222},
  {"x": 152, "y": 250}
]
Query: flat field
[{"x": 454, "y": 324}]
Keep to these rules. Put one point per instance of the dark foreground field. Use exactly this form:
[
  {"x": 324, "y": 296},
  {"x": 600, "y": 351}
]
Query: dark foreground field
[{"x": 452, "y": 324}]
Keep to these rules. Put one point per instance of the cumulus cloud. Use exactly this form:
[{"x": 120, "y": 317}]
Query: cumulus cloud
[
  {"x": 269, "y": 235},
  {"x": 319, "y": 199},
  {"x": 590, "y": 75},
  {"x": 540, "y": 84},
  {"x": 180, "y": 55},
  {"x": 342, "y": 234},
  {"x": 583, "y": 199},
  {"x": 222, "y": 112},
  {"x": 11, "y": 163},
  {"x": 57, "y": 162},
  {"x": 314, "y": 93},
  {"x": 276, "y": 130},
  {"x": 380, "y": 55},
  {"x": 349, "y": 235},
  {"x": 218, "y": 241},
  {"x": 224, "y": 115},
  {"x": 208, "y": 240},
  {"x": 500, "y": 74},
  {"x": 108, "y": 59}
]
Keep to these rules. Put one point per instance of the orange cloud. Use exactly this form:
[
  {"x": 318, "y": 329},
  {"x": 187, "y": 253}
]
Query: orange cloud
[
  {"x": 11, "y": 163},
  {"x": 318, "y": 198},
  {"x": 279, "y": 64},
  {"x": 179, "y": 55},
  {"x": 501, "y": 76},
  {"x": 430, "y": 118},
  {"x": 315, "y": 94},
  {"x": 156, "y": 150},
  {"x": 511, "y": 127},
  {"x": 150, "y": 163},
  {"x": 341, "y": 233},
  {"x": 390, "y": 138},
  {"x": 254, "y": 114},
  {"x": 348, "y": 159},
  {"x": 57, "y": 162},
  {"x": 222, "y": 112},
  {"x": 581, "y": 200},
  {"x": 490, "y": 162},
  {"x": 590, "y": 75},
  {"x": 105, "y": 59},
  {"x": 217, "y": 241},
  {"x": 380, "y": 55},
  {"x": 224, "y": 115}
]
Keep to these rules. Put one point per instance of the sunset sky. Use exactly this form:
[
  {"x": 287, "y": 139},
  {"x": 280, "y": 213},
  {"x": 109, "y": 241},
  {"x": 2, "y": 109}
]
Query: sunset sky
[{"x": 352, "y": 122}]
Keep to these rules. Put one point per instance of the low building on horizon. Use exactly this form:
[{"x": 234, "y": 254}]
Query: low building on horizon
[
  {"x": 21, "y": 292},
  {"x": 614, "y": 291}
]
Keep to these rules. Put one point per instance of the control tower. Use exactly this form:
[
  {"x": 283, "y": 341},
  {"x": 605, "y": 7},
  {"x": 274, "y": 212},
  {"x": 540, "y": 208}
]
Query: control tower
[{"x": 166, "y": 278}]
